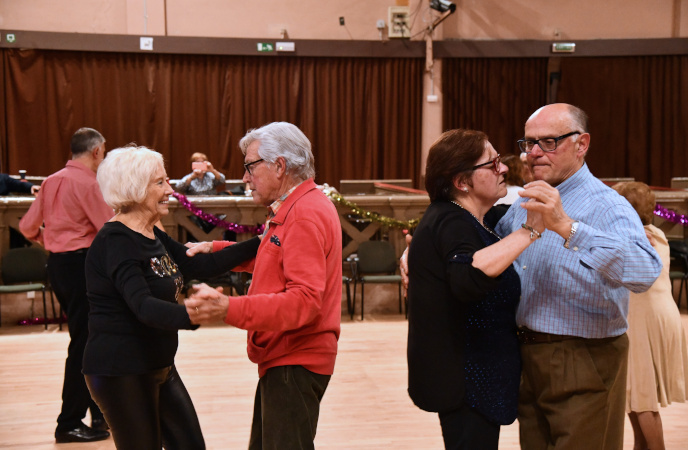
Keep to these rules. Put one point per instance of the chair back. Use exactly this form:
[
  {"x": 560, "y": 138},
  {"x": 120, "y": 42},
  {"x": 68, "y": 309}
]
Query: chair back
[
  {"x": 679, "y": 251},
  {"x": 376, "y": 257},
  {"x": 24, "y": 265}
]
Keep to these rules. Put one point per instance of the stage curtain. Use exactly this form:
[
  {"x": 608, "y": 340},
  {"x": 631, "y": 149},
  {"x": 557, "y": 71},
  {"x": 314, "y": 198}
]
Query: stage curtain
[
  {"x": 493, "y": 95},
  {"x": 362, "y": 115},
  {"x": 638, "y": 114}
]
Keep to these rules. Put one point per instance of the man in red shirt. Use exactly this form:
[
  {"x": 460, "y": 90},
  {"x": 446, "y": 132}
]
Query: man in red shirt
[
  {"x": 65, "y": 217},
  {"x": 293, "y": 308}
]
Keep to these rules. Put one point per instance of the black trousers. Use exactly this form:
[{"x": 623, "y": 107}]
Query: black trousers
[
  {"x": 68, "y": 280},
  {"x": 148, "y": 411},
  {"x": 467, "y": 429},
  {"x": 286, "y": 409}
]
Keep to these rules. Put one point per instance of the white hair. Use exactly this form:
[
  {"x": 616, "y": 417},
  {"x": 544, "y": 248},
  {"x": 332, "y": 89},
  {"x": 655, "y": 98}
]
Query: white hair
[
  {"x": 125, "y": 173},
  {"x": 286, "y": 140}
]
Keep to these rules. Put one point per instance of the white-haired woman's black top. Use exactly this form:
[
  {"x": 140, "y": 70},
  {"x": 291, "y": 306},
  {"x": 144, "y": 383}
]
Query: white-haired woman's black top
[{"x": 133, "y": 284}]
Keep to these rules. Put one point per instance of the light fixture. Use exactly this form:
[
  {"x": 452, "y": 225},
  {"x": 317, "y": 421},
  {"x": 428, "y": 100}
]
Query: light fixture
[{"x": 443, "y": 5}]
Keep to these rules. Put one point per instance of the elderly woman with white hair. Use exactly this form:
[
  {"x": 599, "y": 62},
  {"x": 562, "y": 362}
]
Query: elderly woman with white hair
[{"x": 134, "y": 275}]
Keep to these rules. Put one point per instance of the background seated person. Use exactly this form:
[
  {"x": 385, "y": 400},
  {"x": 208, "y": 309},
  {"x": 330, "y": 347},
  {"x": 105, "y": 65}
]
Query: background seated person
[
  {"x": 9, "y": 184},
  {"x": 204, "y": 179}
]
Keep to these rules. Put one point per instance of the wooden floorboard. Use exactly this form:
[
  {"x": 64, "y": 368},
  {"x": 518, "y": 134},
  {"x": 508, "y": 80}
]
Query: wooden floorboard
[{"x": 366, "y": 405}]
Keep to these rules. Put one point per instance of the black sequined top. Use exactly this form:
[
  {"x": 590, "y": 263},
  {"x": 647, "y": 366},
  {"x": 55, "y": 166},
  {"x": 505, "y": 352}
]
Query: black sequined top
[{"x": 462, "y": 346}]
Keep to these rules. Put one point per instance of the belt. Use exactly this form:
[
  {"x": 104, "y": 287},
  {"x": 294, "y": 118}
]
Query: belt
[
  {"x": 528, "y": 336},
  {"x": 72, "y": 252}
]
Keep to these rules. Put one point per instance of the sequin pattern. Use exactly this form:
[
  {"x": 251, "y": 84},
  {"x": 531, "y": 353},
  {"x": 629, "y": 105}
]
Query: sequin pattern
[{"x": 166, "y": 267}]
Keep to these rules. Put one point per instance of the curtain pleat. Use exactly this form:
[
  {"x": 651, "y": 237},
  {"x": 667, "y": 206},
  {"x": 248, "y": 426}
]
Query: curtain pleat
[
  {"x": 493, "y": 95},
  {"x": 362, "y": 115},
  {"x": 638, "y": 114}
]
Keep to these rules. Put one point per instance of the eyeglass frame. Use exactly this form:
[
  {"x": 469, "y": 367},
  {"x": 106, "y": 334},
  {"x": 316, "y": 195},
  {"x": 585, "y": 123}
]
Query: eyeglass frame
[
  {"x": 537, "y": 142},
  {"x": 496, "y": 162},
  {"x": 247, "y": 166}
]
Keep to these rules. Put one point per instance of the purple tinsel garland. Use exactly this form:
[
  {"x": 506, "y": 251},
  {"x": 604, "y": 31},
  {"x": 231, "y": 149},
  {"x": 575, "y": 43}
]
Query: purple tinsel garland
[
  {"x": 217, "y": 221},
  {"x": 670, "y": 216}
]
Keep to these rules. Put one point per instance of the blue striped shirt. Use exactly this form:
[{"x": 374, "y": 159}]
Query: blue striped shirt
[{"x": 583, "y": 291}]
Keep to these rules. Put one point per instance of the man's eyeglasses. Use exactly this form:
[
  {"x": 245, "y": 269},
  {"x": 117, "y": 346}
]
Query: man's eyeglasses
[
  {"x": 495, "y": 164},
  {"x": 545, "y": 144},
  {"x": 247, "y": 166}
]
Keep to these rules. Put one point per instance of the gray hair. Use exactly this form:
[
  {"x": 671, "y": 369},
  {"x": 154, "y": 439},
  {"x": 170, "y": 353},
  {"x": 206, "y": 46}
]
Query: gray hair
[
  {"x": 84, "y": 140},
  {"x": 125, "y": 173},
  {"x": 285, "y": 140},
  {"x": 579, "y": 118}
]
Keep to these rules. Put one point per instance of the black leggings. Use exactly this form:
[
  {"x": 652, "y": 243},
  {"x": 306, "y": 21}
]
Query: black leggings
[{"x": 148, "y": 411}]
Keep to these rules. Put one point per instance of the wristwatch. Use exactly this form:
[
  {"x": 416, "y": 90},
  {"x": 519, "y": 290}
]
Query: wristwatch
[{"x": 574, "y": 228}]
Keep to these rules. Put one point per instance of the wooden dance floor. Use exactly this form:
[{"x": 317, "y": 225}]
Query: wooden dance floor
[{"x": 366, "y": 405}]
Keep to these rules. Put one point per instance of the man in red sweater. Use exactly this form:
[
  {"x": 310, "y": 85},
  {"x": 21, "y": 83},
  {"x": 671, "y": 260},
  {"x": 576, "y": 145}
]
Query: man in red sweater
[{"x": 293, "y": 308}]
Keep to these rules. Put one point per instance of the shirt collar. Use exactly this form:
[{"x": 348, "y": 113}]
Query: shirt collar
[
  {"x": 277, "y": 204},
  {"x": 80, "y": 166},
  {"x": 574, "y": 180}
]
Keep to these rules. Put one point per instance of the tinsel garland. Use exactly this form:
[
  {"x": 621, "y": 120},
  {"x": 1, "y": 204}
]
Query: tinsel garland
[
  {"x": 670, "y": 216},
  {"x": 375, "y": 217},
  {"x": 198, "y": 212}
]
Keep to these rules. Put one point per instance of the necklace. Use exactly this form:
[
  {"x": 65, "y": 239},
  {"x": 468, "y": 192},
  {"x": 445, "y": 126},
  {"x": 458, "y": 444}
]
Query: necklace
[{"x": 476, "y": 219}]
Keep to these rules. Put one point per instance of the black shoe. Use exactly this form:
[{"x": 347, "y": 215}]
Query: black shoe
[
  {"x": 82, "y": 433},
  {"x": 100, "y": 424}
]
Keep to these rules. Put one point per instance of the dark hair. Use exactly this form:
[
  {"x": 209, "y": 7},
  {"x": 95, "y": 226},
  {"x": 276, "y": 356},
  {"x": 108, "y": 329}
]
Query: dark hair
[
  {"x": 84, "y": 140},
  {"x": 641, "y": 198},
  {"x": 452, "y": 156},
  {"x": 514, "y": 177}
]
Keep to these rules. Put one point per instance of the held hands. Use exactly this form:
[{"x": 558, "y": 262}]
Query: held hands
[
  {"x": 545, "y": 202},
  {"x": 403, "y": 265},
  {"x": 206, "y": 305},
  {"x": 651, "y": 238}
]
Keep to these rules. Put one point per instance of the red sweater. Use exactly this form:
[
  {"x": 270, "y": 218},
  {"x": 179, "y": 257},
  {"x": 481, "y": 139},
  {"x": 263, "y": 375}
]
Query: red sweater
[{"x": 293, "y": 308}]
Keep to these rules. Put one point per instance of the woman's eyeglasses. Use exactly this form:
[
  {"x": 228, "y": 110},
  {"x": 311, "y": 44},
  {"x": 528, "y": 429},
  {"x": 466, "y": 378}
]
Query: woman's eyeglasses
[{"x": 495, "y": 164}]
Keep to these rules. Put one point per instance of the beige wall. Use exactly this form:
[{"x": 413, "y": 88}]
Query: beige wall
[
  {"x": 319, "y": 19},
  {"x": 568, "y": 19}
]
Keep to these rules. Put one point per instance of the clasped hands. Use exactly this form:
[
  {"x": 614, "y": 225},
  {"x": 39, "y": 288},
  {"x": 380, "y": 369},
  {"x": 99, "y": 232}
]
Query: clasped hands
[
  {"x": 206, "y": 304},
  {"x": 544, "y": 204}
]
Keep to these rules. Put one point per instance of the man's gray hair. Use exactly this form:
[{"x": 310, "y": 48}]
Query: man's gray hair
[
  {"x": 84, "y": 140},
  {"x": 579, "y": 117},
  {"x": 286, "y": 140}
]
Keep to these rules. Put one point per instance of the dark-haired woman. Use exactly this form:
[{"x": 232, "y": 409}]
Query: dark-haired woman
[{"x": 463, "y": 351}]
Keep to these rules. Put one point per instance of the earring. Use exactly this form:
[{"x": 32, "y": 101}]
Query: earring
[{"x": 465, "y": 189}]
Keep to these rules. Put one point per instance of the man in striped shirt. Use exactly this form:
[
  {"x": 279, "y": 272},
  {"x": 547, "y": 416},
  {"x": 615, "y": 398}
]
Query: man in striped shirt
[{"x": 575, "y": 290}]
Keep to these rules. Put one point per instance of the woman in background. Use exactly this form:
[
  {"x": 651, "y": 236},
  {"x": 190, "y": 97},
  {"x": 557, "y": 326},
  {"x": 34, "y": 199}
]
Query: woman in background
[
  {"x": 134, "y": 275},
  {"x": 513, "y": 179},
  {"x": 657, "y": 357}
]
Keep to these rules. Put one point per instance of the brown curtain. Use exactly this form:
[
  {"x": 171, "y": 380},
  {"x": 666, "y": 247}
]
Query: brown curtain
[
  {"x": 362, "y": 115},
  {"x": 494, "y": 95},
  {"x": 638, "y": 114}
]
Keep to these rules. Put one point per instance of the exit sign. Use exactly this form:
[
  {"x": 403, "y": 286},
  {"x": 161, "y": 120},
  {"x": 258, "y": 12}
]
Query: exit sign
[{"x": 266, "y": 47}]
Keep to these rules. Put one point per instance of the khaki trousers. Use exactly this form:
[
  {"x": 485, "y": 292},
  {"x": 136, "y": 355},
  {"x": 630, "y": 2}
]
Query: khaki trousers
[{"x": 573, "y": 394}]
